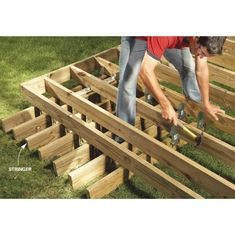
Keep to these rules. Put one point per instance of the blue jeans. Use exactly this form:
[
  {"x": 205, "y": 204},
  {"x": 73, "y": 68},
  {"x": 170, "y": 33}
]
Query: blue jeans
[{"x": 131, "y": 56}]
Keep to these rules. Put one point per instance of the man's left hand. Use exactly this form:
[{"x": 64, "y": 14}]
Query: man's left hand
[{"x": 213, "y": 110}]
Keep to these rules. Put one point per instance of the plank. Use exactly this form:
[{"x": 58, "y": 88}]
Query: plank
[
  {"x": 165, "y": 73},
  {"x": 113, "y": 69},
  {"x": 225, "y": 123},
  {"x": 88, "y": 64},
  {"x": 10, "y": 122},
  {"x": 134, "y": 136},
  {"x": 229, "y": 47},
  {"x": 107, "y": 184},
  {"x": 58, "y": 147},
  {"x": 225, "y": 60},
  {"x": 97, "y": 167},
  {"x": 111, "y": 148},
  {"x": 71, "y": 160},
  {"x": 149, "y": 112},
  {"x": 45, "y": 136},
  {"x": 88, "y": 172},
  {"x": 31, "y": 127}
]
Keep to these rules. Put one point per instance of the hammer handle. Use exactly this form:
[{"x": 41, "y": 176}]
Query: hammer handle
[{"x": 186, "y": 130}]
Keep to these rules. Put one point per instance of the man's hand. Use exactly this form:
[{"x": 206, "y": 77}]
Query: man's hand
[
  {"x": 169, "y": 113},
  {"x": 213, "y": 110}
]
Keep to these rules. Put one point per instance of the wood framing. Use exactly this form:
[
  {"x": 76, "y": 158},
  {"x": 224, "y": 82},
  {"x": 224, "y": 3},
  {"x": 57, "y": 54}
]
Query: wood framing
[
  {"x": 75, "y": 128},
  {"x": 146, "y": 111},
  {"x": 108, "y": 146}
]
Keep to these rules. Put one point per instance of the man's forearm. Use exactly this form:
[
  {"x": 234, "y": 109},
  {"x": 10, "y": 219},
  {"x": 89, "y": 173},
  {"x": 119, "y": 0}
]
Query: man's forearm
[
  {"x": 203, "y": 83},
  {"x": 202, "y": 75}
]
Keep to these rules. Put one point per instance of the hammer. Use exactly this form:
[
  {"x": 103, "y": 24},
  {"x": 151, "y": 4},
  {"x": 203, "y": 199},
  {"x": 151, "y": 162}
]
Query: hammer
[{"x": 197, "y": 139}]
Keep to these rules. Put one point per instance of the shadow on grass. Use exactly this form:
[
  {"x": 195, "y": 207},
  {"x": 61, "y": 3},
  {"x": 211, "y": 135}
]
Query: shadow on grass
[{"x": 137, "y": 191}]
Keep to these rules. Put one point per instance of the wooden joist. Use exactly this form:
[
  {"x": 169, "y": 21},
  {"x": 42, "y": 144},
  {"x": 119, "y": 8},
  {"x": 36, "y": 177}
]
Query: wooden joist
[
  {"x": 45, "y": 136},
  {"x": 148, "y": 112},
  {"x": 209, "y": 180},
  {"x": 88, "y": 172},
  {"x": 107, "y": 184},
  {"x": 54, "y": 141},
  {"x": 225, "y": 60},
  {"x": 58, "y": 147},
  {"x": 72, "y": 160},
  {"x": 225, "y": 123},
  {"x": 229, "y": 47},
  {"x": 111, "y": 148},
  {"x": 226, "y": 98},
  {"x": 31, "y": 127},
  {"x": 21, "y": 117}
]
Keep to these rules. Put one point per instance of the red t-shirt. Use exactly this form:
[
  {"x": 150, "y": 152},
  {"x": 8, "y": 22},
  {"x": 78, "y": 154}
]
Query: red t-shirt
[{"x": 157, "y": 45}]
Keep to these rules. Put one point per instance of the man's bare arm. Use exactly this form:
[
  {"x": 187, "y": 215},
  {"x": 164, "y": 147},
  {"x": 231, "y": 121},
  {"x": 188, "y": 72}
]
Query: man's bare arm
[
  {"x": 202, "y": 74},
  {"x": 151, "y": 82}
]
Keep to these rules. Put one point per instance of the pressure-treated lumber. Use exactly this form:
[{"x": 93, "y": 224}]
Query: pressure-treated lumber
[
  {"x": 221, "y": 75},
  {"x": 110, "y": 182},
  {"x": 225, "y": 123},
  {"x": 113, "y": 69},
  {"x": 31, "y": 127},
  {"x": 63, "y": 74},
  {"x": 225, "y": 60},
  {"x": 229, "y": 47},
  {"x": 97, "y": 167},
  {"x": 138, "y": 138},
  {"x": 111, "y": 148},
  {"x": 17, "y": 119},
  {"x": 71, "y": 160},
  {"x": 153, "y": 114},
  {"x": 88, "y": 172},
  {"x": 58, "y": 147},
  {"x": 45, "y": 136},
  {"x": 165, "y": 73},
  {"x": 107, "y": 184},
  {"x": 221, "y": 96}
]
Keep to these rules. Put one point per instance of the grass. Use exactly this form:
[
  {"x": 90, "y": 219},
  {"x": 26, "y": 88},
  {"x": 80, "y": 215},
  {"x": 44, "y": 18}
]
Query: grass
[{"x": 23, "y": 58}]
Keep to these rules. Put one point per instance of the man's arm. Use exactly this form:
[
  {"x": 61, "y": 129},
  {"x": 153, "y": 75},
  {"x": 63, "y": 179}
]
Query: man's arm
[
  {"x": 202, "y": 74},
  {"x": 151, "y": 82}
]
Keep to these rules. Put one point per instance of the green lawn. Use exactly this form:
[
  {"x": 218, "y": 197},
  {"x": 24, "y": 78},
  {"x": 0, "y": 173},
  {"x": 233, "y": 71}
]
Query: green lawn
[{"x": 23, "y": 58}]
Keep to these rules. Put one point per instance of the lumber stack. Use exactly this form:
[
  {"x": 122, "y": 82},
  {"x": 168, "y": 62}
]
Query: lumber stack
[{"x": 74, "y": 128}]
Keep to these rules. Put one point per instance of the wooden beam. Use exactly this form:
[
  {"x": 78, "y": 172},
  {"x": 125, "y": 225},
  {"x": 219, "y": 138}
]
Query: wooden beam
[
  {"x": 58, "y": 147},
  {"x": 134, "y": 136},
  {"x": 165, "y": 73},
  {"x": 88, "y": 172},
  {"x": 31, "y": 127},
  {"x": 225, "y": 60},
  {"x": 229, "y": 47},
  {"x": 72, "y": 160},
  {"x": 148, "y": 112},
  {"x": 88, "y": 64},
  {"x": 112, "y": 69},
  {"x": 45, "y": 136},
  {"x": 98, "y": 166},
  {"x": 10, "y": 122},
  {"x": 107, "y": 184},
  {"x": 221, "y": 75},
  {"x": 225, "y": 123},
  {"x": 110, "y": 148}
]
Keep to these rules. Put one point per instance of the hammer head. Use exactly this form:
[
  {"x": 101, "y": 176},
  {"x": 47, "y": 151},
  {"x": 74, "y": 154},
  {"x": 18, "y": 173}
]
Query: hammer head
[{"x": 198, "y": 140}]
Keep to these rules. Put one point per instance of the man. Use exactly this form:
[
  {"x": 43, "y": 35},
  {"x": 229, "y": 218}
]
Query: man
[{"x": 142, "y": 54}]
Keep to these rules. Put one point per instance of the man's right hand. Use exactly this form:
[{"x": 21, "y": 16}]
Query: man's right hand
[{"x": 169, "y": 113}]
